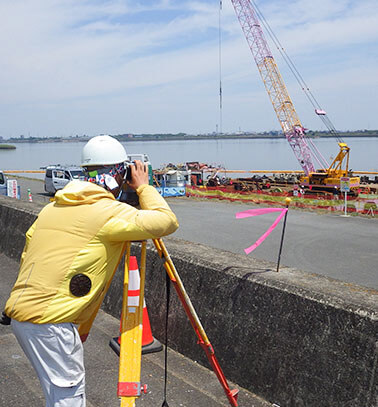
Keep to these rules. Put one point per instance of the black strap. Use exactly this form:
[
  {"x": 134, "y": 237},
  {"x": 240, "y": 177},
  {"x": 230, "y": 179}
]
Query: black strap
[
  {"x": 168, "y": 293},
  {"x": 4, "y": 319}
]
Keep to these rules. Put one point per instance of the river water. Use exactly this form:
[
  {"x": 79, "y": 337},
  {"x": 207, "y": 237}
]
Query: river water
[{"x": 251, "y": 154}]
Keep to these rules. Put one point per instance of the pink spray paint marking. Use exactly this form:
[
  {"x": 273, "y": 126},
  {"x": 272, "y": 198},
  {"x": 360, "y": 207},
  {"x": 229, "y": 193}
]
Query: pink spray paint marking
[{"x": 257, "y": 212}]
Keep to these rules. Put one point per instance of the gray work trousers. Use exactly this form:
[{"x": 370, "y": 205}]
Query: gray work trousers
[{"x": 56, "y": 353}]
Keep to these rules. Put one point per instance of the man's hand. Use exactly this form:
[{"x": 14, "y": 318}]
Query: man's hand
[
  {"x": 4, "y": 319},
  {"x": 139, "y": 175}
]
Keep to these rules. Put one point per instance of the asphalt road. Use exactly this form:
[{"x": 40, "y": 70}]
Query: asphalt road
[{"x": 344, "y": 248}]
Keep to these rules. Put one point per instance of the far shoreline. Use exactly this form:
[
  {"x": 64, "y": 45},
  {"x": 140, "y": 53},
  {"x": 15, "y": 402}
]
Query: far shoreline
[{"x": 189, "y": 137}]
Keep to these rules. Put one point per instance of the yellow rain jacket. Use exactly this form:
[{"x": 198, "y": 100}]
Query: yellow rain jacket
[{"x": 82, "y": 232}]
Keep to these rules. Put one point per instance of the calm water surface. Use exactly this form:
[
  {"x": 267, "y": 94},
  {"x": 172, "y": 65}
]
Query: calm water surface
[{"x": 272, "y": 154}]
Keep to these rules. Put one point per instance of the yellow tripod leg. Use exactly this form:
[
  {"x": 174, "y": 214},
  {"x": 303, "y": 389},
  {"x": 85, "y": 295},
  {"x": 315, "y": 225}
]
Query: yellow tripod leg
[{"x": 130, "y": 358}]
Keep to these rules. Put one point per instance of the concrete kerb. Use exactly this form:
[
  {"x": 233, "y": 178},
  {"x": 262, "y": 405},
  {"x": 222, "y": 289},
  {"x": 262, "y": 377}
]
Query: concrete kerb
[{"x": 293, "y": 338}]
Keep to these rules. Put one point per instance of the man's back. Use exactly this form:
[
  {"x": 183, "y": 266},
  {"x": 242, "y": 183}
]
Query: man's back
[{"x": 72, "y": 251}]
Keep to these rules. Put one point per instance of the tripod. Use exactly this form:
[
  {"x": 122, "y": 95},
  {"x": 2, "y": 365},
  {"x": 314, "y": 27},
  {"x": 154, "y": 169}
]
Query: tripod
[{"x": 129, "y": 386}]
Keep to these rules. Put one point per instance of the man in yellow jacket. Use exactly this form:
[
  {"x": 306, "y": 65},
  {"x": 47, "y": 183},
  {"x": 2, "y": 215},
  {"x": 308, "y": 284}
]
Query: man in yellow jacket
[{"x": 70, "y": 256}]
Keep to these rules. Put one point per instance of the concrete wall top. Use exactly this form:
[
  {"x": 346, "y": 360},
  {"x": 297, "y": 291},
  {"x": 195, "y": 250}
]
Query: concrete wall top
[{"x": 28, "y": 207}]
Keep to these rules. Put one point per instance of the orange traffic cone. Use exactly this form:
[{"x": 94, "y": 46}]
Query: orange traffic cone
[{"x": 149, "y": 343}]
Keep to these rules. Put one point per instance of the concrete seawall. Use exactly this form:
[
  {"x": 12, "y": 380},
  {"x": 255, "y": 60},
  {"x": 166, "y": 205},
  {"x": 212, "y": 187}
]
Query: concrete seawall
[{"x": 293, "y": 338}]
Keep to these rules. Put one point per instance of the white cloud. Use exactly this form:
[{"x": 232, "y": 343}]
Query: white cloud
[{"x": 305, "y": 24}]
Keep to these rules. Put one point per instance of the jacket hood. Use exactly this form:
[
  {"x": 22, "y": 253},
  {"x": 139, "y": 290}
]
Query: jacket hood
[{"x": 81, "y": 193}]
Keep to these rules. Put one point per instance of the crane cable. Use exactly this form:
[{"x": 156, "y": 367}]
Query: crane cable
[{"x": 325, "y": 119}]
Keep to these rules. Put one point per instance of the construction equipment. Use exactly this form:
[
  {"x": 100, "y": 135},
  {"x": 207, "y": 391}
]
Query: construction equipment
[{"x": 329, "y": 175}]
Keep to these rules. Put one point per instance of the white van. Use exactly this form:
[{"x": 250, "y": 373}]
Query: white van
[
  {"x": 3, "y": 178},
  {"x": 3, "y": 184},
  {"x": 57, "y": 177}
]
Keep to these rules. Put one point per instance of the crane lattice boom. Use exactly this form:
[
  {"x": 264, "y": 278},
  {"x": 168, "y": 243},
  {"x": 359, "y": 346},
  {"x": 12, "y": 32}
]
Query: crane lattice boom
[{"x": 278, "y": 94}]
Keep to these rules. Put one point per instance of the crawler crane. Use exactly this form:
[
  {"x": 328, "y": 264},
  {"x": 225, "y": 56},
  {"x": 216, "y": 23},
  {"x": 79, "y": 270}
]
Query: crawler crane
[{"x": 328, "y": 177}]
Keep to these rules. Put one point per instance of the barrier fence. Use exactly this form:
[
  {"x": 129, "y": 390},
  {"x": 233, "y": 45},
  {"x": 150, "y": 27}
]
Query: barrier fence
[{"x": 363, "y": 204}]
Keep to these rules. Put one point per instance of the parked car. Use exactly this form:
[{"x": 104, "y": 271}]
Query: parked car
[
  {"x": 58, "y": 176},
  {"x": 3, "y": 178}
]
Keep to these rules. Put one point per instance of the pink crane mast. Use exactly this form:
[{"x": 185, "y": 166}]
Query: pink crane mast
[{"x": 274, "y": 84}]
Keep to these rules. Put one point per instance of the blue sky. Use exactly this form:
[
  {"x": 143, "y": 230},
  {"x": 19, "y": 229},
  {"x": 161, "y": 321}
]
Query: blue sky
[{"x": 72, "y": 67}]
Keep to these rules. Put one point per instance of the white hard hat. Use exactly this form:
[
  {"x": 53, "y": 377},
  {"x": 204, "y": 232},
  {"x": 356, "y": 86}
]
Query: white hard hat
[{"x": 103, "y": 150}]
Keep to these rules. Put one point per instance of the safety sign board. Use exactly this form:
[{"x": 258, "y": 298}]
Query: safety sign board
[
  {"x": 12, "y": 188},
  {"x": 344, "y": 184},
  {"x": 171, "y": 191}
]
